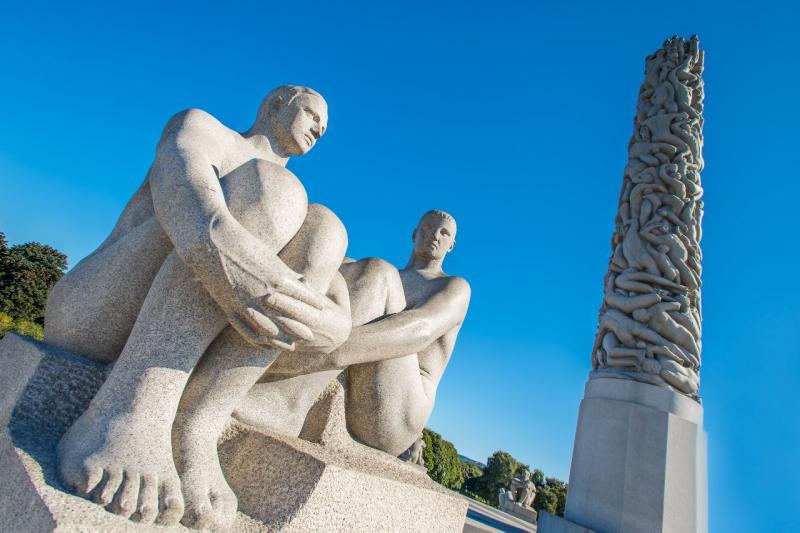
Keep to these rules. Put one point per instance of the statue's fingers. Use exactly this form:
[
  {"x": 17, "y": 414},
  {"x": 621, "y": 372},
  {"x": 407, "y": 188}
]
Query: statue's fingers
[
  {"x": 295, "y": 328},
  {"x": 247, "y": 331},
  {"x": 265, "y": 327},
  {"x": 281, "y": 345},
  {"x": 289, "y": 307},
  {"x": 302, "y": 292}
]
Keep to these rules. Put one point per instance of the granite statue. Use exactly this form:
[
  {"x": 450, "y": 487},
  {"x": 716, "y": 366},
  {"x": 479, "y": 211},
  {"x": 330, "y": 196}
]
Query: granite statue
[
  {"x": 639, "y": 461},
  {"x": 650, "y": 321},
  {"x": 223, "y": 293},
  {"x": 523, "y": 490},
  {"x": 217, "y": 242},
  {"x": 518, "y": 498}
]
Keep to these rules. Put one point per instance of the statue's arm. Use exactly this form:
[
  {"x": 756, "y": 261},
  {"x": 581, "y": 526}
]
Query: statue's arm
[
  {"x": 409, "y": 331},
  {"x": 236, "y": 268},
  {"x": 184, "y": 181}
]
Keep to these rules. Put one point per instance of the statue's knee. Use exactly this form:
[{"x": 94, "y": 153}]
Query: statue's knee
[
  {"x": 260, "y": 190},
  {"x": 327, "y": 230},
  {"x": 379, "y": 269}
]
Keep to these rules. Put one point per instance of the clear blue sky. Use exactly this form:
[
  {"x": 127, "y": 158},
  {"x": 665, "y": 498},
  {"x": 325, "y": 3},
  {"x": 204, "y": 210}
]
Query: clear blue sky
[{"x": 513, "y": 117}]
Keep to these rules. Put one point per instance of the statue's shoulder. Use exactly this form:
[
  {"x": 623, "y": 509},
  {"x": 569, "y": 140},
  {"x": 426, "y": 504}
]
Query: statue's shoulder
[
  {"x": 458, "y": 286},
  {"x": 195, "y": 120}
]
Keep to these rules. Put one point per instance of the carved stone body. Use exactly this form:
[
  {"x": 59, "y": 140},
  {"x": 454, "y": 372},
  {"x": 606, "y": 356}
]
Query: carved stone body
[
  {"x": 649, "y": 327},
  {"x": 222, "y": 291}
]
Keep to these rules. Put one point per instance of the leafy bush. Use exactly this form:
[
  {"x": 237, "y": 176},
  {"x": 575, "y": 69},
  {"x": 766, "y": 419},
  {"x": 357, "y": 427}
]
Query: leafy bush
[
  {"x": 23, "y": 327},
  {"x": 441, "y": 460}
]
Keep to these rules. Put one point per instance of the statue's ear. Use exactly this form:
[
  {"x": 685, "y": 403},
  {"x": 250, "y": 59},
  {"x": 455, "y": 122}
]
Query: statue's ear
[{"x": 452, "y": 246}]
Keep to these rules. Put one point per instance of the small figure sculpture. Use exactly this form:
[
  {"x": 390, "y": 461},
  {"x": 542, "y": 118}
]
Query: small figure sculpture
[{"x": 523, "y": 489}]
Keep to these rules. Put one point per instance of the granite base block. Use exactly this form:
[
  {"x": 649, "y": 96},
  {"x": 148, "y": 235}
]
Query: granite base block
[
  {"x": 550, "y": 523},
  {"x": 283, "y": 483},
  {"x": 639, "y": 462}
]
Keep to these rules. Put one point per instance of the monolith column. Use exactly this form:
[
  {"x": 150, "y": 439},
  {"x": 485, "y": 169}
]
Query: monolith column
[{"x": 639, "y": 461}]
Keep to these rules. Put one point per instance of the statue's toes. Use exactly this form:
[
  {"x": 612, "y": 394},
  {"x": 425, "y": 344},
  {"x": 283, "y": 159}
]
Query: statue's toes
[
  {"x": 147, "y": 508},
  {"x": 225, "y": 505},
  {"x": 107, "y": 488},
  {"x": 170, "y": 503},
  {"x": 127, "y": 498},
  {"x": 84, "y": 478}
]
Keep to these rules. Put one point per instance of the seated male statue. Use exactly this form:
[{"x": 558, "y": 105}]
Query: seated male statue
[
  {"x": 405, "y": 328},
  {"x": 217, "y": 240}
]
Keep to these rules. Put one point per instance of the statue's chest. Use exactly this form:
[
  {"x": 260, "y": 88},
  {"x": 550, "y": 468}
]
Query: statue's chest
[{"x": 418, "y": 290}]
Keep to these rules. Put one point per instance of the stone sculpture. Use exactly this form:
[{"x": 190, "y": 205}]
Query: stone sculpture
[
  {"x": 518, "y": 498},
  {"x": 523, "y": 489},
  {"x": 650, "y": 322},
  {"x": 639, "y": 460},
  {"x": 222, "y": 292},
  {"x": 204, "y": 232}
]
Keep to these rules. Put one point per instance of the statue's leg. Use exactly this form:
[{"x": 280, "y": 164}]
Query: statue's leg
[
  {"x": 229, "y": 369},
  {"x": 386, "y": 403},
  {"x": 119, "y": 452},
  {"x": 92, "y": 309}
]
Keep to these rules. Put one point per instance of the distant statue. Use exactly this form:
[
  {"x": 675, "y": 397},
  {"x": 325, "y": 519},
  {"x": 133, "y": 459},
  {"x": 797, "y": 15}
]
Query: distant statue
[{"x": 523, "y": 490}]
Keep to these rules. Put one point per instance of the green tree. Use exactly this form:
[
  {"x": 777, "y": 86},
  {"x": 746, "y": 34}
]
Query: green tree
[
  {"x": 551, "y": 494},
  {"x": 441, "y": 460},
  {"x": 27, "y": 273},
  {"x": 470, "y": 470},
  {"x": 500, "y": 469}
]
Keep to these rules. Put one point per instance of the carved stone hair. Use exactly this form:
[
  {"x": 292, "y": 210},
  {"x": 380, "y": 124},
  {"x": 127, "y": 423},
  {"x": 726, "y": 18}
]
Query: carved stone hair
[
  {"x": 439, "y": 213},
  {"x": 283, "y": 94}
]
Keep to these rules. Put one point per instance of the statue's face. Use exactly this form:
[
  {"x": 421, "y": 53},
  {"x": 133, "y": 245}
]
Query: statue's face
[
  {"x": 299, "y": 124},
  {"x": 434, "y": 237}
]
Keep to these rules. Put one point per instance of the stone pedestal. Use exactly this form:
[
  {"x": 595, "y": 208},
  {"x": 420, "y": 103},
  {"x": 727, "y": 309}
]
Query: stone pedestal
[
  {"x": 639, "y": 462},
  {"x": 526, "y": 513},
  {"x": 283, "y": 483}
]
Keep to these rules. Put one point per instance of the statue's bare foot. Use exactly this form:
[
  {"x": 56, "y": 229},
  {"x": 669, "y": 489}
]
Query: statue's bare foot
[
  {"x": 123, "y": 464},
  {"x": 210, "y": 502}
]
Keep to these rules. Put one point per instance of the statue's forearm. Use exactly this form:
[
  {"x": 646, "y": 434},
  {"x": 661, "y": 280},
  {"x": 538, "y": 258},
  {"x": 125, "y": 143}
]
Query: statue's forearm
[{"x": 395, "y": 336}]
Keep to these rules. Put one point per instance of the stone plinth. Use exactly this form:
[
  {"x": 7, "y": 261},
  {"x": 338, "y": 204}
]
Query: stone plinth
[
  {"x": 294, "y": 485},
  {"x": 526, "y": 513},
  {"x": 283, "y": 483},
  {"x": 639, "y": 462}
]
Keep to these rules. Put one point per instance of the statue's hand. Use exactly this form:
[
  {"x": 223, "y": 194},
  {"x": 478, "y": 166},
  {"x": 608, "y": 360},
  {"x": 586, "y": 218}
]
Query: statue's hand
[
  {"x": 321, "y": 329},
  {"x": 242, "y": 273}
]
